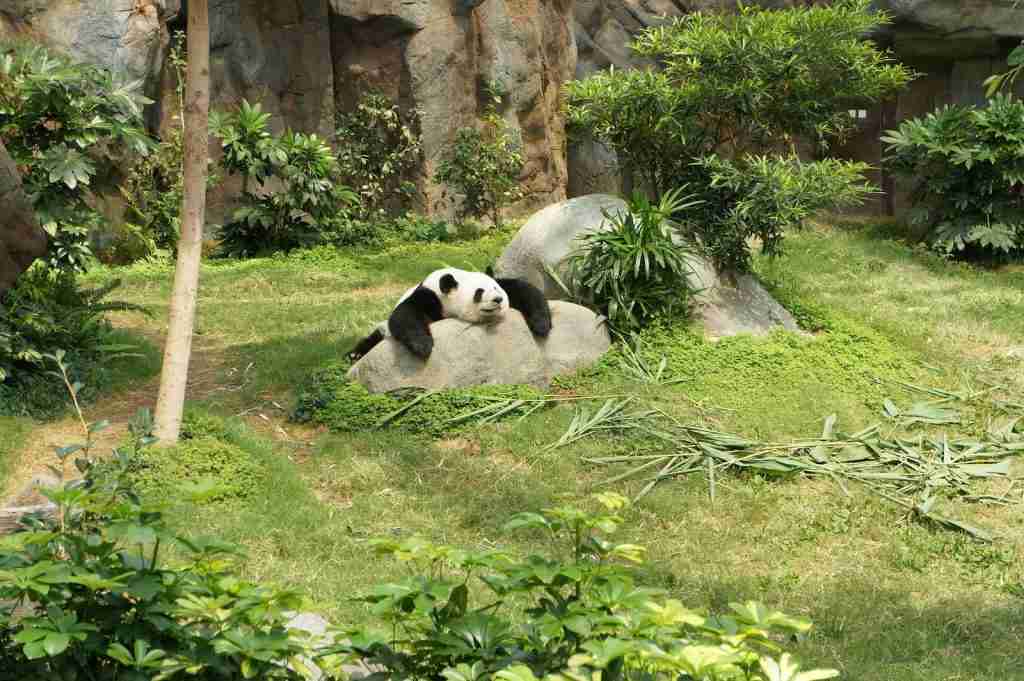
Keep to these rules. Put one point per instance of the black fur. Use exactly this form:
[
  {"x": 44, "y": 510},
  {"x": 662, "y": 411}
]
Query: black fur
[
  {"x": 529, "y": 300},
  {"x": 365, "y": 345},
  {"x": 410, "y": 322}
]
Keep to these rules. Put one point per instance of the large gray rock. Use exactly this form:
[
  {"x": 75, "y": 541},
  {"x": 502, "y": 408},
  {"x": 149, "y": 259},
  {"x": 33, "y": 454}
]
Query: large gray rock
[
  {"x": 727, "y": 305},
  {"x": 476, "y": 354},
  {"x": 21, "y": 238}
]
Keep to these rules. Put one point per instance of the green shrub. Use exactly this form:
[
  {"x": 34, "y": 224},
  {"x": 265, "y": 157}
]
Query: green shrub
[
  {"x": 311, "y": 204},
  {"x": 415, "y": 227},
  {"x": 47, "y": 311},
  {"x": 378, "y": 148},
  {"x": 331, "y": 399},
  {"x": 634, "y": 271},
  {"x": 98, "y": 600},
  {"x": 967, "y": 166},
  {"x": 577, "y": 612},
  {"x": 732, "y": 88},
  {"x": 197, "y": 423},
  {"x": 482, "y": 169},
  {"x": 220, "y": 470},
  {"x": 760, "y": 197},
  {"x": 68, "y": 126}
]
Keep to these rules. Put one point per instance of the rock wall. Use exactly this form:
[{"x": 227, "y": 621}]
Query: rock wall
[
  {"x": 434, "y": 56},
  {"x": 21, "y": 239}
]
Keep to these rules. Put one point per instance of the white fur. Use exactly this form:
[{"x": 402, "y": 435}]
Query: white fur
[{"x": 459, "y": 303}]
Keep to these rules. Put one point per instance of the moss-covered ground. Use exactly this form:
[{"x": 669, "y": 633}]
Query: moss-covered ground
[{"x": 892, "y": 599}]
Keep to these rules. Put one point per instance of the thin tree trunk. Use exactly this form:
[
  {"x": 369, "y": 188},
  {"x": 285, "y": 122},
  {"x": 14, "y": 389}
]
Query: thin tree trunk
[{"x": 171, "y": 400}]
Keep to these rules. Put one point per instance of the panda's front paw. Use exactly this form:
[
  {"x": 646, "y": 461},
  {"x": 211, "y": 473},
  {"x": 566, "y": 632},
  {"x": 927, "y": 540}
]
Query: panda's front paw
[
  {"x": 540, "y": 324},
  {"x": 421, "y": 346}
]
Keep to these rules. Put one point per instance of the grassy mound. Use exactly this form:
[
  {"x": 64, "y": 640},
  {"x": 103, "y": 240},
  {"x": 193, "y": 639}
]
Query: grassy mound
[{"x": 213, "y": 469}]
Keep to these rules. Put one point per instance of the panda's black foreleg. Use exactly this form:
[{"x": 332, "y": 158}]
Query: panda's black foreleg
[
  {"x": 410, "y": 322},
  {"x": 365, "y": 345},
  {"x": 530, "y": 301}
]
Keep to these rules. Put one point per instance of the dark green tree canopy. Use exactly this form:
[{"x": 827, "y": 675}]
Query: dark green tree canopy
[
  {"x": 740, "y": 89},
  {"x": 731, "y": 84}
]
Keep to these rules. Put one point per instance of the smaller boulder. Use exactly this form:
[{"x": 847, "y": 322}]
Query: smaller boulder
[
  {"x": 726, "y": 305},
  {"x": 467, "y": 354}
]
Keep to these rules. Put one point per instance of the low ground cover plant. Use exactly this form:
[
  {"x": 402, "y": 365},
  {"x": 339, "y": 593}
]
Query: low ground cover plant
[
  {"x": 329, "y": 398},
  {"x": 966, "y": 165}
]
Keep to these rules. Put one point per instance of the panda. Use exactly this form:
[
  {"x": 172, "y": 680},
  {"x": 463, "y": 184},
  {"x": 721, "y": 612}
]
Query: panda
[{"x": 449, "y": 293}]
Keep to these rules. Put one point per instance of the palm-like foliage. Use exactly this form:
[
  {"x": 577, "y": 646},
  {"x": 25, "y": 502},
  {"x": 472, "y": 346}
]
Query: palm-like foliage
[{"x": 635, "y": 268}]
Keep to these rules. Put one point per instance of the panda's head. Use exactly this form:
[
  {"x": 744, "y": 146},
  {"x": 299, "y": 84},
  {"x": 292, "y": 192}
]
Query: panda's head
[{"x": 470, "y": 296}]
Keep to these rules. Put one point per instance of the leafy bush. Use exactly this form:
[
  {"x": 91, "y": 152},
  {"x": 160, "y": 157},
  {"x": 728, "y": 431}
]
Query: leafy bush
[
  {"x": 760, "y": 197},
  {"x": 377, "y": 150},
  {"x": 967, "y": 167},
  {"x": 634, "y": 270},
  {"x": 221, "y": 471},
  {"x": 482, "y": 169},
  {"x": 67, "y": 126},
  {"x": 309, "y": 206},
  {"x": 415, "y": 227},
  {"x": 738, "y": 86},
  {"x": 577, "y": 614},
  {"x": 44, "y": 312},
  {"x": 98, "y": 599},
  {"x": 197, "y": 423},
  {"x": 328, "y": 397}
]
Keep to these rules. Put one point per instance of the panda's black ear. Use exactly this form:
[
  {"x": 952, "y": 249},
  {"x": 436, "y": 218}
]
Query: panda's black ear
[
  {"x": 489, "y": 272},
  {"x": 448, "y": 283}
]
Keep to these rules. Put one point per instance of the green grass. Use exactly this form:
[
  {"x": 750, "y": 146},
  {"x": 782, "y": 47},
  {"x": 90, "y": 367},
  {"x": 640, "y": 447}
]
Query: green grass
[{"x": 892, "y": 599}]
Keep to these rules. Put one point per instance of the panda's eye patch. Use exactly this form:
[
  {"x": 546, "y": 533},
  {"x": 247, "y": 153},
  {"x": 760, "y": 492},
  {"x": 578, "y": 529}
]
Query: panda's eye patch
[{"x": 478, "y": 296}]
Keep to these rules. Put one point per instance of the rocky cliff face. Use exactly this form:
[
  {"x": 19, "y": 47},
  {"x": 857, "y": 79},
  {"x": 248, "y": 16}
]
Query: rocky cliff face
[{"x": 434, "y": 56}]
